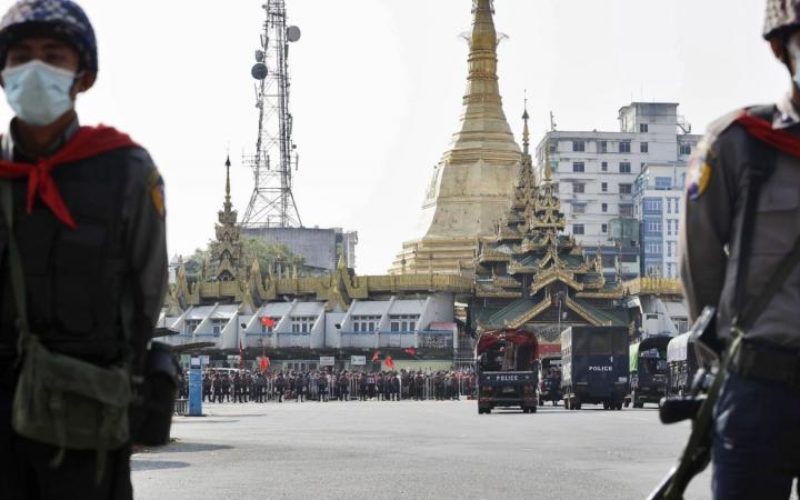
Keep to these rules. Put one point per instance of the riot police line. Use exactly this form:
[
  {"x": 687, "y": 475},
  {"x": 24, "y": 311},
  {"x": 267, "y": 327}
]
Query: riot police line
[{"x": 239, "y": 386}]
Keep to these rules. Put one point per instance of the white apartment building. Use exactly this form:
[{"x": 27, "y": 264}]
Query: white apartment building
[
  {"x": 657, "y": 203},
  {"x": 596, "y": 171}
]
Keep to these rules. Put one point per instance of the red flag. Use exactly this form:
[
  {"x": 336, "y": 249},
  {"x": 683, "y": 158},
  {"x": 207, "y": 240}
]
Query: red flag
[
  {"x": 376, "y": 356},
  {"x": 263, "y": 364},
  {"x": 389, "y": 362},
  {"x": 411, "y": 351},
  {"x": 267, "y": 321}
]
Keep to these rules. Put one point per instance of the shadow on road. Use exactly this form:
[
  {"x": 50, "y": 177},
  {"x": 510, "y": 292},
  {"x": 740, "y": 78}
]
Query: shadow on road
[
  {"x": 190, "y": 447},
  {"x": 144, "y": 465}
]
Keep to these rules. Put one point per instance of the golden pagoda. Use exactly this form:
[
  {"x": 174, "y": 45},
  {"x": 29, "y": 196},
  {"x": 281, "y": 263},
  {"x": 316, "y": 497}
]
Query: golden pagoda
[{"x": 473, "y": 184}]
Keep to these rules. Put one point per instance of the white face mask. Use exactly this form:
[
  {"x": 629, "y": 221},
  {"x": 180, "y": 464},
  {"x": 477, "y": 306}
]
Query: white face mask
[{"x": 37, "y": 92}]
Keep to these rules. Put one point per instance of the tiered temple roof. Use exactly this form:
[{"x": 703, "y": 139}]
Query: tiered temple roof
[{"x": 530, "y": 267}]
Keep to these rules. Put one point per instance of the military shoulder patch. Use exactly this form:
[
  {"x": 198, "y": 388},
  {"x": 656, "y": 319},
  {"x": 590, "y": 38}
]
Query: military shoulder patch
[
  {"x": 155, "y": 186},
  {"x": 699, "y": 176}
]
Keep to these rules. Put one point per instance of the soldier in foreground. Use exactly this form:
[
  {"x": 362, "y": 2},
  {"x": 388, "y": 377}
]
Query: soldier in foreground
[
  {"x": 739, "y": 255},
  {"x": 82, "y": 270}
]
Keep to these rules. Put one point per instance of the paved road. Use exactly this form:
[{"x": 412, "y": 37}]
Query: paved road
[{"x": 411, "y": 450}]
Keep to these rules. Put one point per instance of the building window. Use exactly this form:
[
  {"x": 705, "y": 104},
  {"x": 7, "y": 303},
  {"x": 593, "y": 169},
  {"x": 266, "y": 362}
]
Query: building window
[
  {"x": 578, "y": 187},
  {"x": 677, "y": 205},
  {"x": 653, "y": 248},
  {"x": 686, "y": 149},
  {"x": 579, "y": 208},
  {"x": 578, "y": 166},
  {"x": 625, "y": 189},
  {"x": 652, "y": 205},
  {"x": 604, "y": 207},
  {"x": 603, "y": 146},
  {"x": 604, "y": 166},
  {"x": 578, "y": 146},
  {"x": 663, "y": 183},
  {"x": 303, "y": 324},
  {"x": 625, "y": 210},
  {"x": 625, "y": 167},
  {"x": 365, "y": 323},
  {"x": 644, "y": 147},
  {"x": 625, "y": 147},
  {"x": 190, "y": 325},
  {"x": 556, "y": 188},
  {"x": 604, "y": 228},
  {"x": 553, "y": 145},
  {"x": 403, "y": 323},
  {"x": 652, "y": 226},
  {"x": 577, "y": 229},
  {"x": 643, "y": 128},
  {"x": 604, "y": 187}
]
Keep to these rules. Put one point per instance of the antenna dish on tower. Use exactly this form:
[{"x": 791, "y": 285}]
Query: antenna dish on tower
[
  {"x": 259, "y": 56},
  {"x": 259, "y": 71},
  {"x": 293, "y": 33}
]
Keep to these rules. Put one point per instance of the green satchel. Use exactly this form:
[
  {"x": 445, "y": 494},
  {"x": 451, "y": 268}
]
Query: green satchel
[{"x": 61, "y": 400}]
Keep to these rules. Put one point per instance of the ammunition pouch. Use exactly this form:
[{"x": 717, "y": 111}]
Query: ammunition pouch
[
  {"x": 69, "y": 403},
  {"x": 154, "y": 397}
]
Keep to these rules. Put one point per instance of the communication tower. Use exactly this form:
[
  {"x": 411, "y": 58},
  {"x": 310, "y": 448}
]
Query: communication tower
[{"x": 272, "y": 203}]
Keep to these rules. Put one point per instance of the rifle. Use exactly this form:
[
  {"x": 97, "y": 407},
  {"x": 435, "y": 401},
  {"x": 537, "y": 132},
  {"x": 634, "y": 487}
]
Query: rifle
[{"x": 698, "y": 406}]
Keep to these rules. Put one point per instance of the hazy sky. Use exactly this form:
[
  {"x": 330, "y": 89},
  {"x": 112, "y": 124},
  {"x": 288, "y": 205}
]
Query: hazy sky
[{"x": 377, "y": 87}]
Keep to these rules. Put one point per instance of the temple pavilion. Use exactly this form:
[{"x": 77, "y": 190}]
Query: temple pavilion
[{"x": 530, "y": 274}]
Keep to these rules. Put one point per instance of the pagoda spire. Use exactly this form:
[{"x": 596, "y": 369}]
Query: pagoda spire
[
  {"x": 228, "y": 184},
  {"x": 483, "y": 123},
  {"x": 228, "y": 251},
  {"x": 526, "y": 134}
]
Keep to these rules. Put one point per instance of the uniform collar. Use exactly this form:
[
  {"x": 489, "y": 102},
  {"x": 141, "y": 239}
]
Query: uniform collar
[
  {"x": 13, "y": 149},
  {"x": 786, "y": 114}
]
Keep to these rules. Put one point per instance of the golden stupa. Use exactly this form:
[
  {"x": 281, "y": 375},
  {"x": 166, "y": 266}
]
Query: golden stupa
[{"x": 473, "y": 184}]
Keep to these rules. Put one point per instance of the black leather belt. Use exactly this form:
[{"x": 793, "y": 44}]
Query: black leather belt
[{"x": 766, "y": 363}]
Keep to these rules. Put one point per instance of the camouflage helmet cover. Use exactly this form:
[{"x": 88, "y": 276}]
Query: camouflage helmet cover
[
  {"x": 63, "y": 19},
  {"x": 782, "y": 16}
]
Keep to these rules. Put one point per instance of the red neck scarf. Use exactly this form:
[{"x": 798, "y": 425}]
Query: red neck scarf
[
  {"x": 86, "y": 143},
  {"x": 762, "y": 130}
]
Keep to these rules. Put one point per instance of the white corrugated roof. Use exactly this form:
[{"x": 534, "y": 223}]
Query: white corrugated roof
[
  {"x": 407, "y": 307},
  {"x": 226, "y": 311},
  {"x": 370, "y": 308},
  {"x": 199, "y": 312},
  {"x": 275, "y": 309},
  {"x": 308, "y": 309}
]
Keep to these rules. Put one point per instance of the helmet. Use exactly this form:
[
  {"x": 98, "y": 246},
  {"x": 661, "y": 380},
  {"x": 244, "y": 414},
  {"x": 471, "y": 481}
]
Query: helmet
[
  {"x": 63, "y": 19},
  {"x": 782, "y": 16}
]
